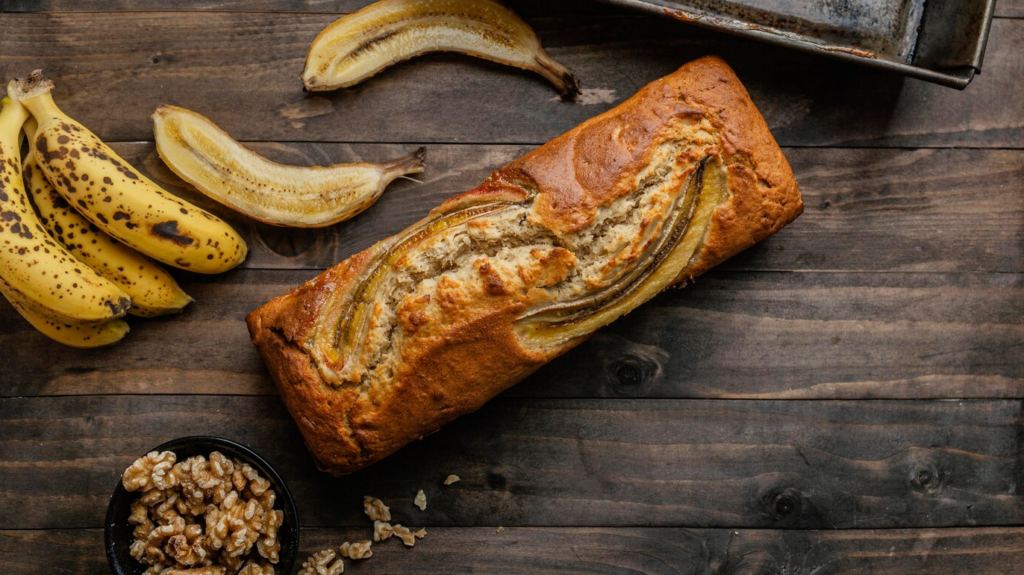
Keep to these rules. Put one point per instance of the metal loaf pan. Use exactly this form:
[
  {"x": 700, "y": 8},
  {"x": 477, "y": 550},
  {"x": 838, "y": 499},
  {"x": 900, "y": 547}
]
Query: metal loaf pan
[{"x": 941, "y": 41}]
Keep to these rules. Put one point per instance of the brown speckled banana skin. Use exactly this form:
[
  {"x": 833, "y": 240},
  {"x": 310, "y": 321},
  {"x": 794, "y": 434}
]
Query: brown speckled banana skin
[
  {"x": 34, "y": 269},
  {"x": 117, "y": 199},
  {"x": 153, "y": 291}
]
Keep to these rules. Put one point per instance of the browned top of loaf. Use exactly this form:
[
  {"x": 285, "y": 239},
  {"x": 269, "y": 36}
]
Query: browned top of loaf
[{"x": 451, "y": 373}]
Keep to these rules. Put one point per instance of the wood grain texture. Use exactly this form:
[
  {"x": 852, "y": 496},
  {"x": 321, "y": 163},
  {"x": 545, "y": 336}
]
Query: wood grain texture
[
  {"x": 719, "y": 429},
  {"x": 242, "y": 69},
  {"x": 526, "y": 8},
  {"x": 932, "y": 210},
  {"x": 1010, "y": 8},
  {"x": 709, "y": 463},
  {"x": 729, "y": 335},
  {"x": 625, "y": 551}
]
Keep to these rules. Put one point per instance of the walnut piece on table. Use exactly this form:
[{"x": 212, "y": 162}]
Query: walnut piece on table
[
  {"x": 357, "y": 550},
  {"x": 382, "y": 531},
  {"x": 406, "y": 535},
  {"x": 375, "y": 509},
  {"x": 451, "y": 479},
  {"x": 320, "y": 563},
  {"x": 420, "y": 500}
]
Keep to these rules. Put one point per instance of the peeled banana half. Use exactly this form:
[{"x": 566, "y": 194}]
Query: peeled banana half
[
  {"x": 34, "y": 268},
  {"x": 307, "y": 197},
  {"x": 118, "y": 200},
  {"x": 153, "y": 291},
  {"x": 363, "y": 43}
]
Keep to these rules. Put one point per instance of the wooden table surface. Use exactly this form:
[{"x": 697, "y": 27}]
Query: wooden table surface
[{"x": 844, "y": 398}]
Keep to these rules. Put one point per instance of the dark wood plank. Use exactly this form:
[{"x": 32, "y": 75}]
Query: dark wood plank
[
  {"x": 526, "y": 8},
  {"x": 1010, "y": 8},
  {"x": 242, "y": 69},
  {"x": 634, "y": 550},
  {"x": 710, "y": 463},
  {"x": 730, "y": 335},
  {"x": 866, "y": 209}
]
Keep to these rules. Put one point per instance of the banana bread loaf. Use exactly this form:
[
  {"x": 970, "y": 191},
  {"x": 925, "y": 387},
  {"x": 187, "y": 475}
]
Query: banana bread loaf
[{"x": 427, "y": 325}]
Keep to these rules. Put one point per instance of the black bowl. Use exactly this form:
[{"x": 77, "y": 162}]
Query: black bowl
[{"x": 118, "y": 536}]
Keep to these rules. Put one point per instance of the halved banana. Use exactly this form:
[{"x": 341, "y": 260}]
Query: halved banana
[
  {"x": 153, "y": 291},
  {"x": 117, "y": 199},
  {"x": 666, "y": 259},
  {"x": 304, "y": 197},
  {"x": 363, "y": 43}
]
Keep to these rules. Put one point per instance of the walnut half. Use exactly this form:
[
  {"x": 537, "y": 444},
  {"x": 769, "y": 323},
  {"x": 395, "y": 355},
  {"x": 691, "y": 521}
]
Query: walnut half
[
  {"x": 357, "y": 550},
  {"x": 322, "y": 563},
  {"x": 375, "y": 509}
]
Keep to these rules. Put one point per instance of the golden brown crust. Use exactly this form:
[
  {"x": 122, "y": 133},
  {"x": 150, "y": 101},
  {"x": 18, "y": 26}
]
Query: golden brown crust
[
  {"x": 764, "y": 194},
  {"x": 470, "y": 352}
]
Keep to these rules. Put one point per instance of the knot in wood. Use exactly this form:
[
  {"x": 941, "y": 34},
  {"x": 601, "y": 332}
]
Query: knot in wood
[
  {"x": 925, "y": 478},
  {"x": 789, "y": 507},
  {"x": 629, "y": 374}
]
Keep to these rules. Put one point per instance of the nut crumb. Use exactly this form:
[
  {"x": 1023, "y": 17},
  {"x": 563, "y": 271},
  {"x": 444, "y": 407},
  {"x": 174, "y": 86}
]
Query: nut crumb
[
  {"x": 407, "y": 536},
  {"x": 357, "y": 550},
  {"x": 421, "y": 500},
  {"x": 320, "y": 563},
  {"x": 382, "y": 531},
  {"x": 500, "y": 529},
  {"x": 375, "y": 509},
  {"x": 451, "y": 479}
]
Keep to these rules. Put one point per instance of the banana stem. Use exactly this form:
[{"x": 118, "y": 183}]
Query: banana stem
[
  {"x": 42, "y": 106},
  {"x": 407, "y": 164},
  {"x": 34, "y": 84},
  {"x": 562, "y": 78},
  {"x": 34, "y": 92}
]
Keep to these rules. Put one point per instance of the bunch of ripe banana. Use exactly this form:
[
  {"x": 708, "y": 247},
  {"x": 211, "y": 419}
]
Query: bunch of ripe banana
[{"x": 77, "y": 267}]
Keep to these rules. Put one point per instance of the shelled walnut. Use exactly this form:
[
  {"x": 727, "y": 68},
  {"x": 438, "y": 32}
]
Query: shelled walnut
[
  {"x": 375, "y": 509},
  {"x": 407, "y": 535},
  {"x": 202, "y": 516},
  {"x": 357, "y": 550},
  {"x": 322, "y": 563}
]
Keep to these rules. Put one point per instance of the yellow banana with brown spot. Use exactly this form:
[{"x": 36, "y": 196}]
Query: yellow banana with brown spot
[
  {"x": 34, "y": 267},
  {"x": 81, "y": 335},
  {"x": 363, "y": 43},
  {"x": 118, "y": 200},
  {"x": 153, "y": 291}
]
